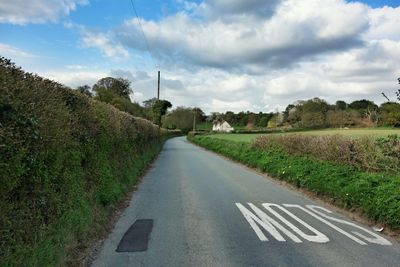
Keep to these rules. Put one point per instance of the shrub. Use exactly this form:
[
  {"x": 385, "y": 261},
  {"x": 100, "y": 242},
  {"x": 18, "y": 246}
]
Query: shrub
[
  {"x": 365, "y": 153},
  {"x": 65, "y": 159}
]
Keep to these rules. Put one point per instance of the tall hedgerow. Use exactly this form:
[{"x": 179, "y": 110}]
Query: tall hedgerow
[{"x": 65, "y": 159}]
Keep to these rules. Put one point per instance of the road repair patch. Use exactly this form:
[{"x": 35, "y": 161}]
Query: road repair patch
[
  {"x": 137, "y": 237},
  {"x": 281, "y": 224}
]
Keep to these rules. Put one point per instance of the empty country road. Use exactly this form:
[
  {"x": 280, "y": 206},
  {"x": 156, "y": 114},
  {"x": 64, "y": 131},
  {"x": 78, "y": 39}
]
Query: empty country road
[{"x": 195, "y": 208}]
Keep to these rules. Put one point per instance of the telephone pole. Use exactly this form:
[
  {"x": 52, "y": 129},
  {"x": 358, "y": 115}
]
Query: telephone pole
[
  {"x": 158, "y": 90},
  {"x": 194, "y": 122}
]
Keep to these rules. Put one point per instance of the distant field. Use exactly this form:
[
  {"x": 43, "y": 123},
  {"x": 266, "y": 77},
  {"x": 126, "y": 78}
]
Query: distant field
[{"x": 351, "y": 132}]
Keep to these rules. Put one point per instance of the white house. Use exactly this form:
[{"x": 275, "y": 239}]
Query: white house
[{"x": 222, "y": 126}]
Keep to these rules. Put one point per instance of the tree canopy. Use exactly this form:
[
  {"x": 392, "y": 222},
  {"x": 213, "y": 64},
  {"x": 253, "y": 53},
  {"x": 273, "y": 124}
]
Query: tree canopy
[{"x": 118, "y": 86}]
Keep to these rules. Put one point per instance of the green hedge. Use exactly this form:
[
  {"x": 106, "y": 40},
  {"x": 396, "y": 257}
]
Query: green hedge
[
  {"x": 65, "y": 159},
  {"x": 377, "y": 195}
]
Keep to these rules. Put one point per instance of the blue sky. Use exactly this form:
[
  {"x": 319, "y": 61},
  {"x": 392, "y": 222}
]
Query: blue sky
[
  {"x": 202, "y": 49},
  {"x": 380, "y": 3}
]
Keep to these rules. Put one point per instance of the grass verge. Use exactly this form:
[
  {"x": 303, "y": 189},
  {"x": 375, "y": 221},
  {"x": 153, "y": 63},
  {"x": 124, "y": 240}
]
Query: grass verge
[{"x": 376, "y": 195}]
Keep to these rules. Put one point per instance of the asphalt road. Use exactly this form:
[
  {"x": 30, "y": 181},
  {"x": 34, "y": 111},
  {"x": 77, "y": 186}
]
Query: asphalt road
[{"x": 197, "y": 209}]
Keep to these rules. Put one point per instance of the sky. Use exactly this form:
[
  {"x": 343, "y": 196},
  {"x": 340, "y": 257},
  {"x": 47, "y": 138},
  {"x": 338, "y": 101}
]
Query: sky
[{"x": 219, "y": 55}]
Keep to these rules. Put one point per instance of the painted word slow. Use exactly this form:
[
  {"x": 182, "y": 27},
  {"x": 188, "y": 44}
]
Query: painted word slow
[{"x": 282, "y": 224}]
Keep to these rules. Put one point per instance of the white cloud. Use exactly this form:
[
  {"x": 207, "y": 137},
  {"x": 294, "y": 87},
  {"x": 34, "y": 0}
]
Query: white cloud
[
  {"x": 13, "y": 52},
  {"x": 76, "y": 67},
  {"x": 384, "y": 23},
  {"x": 74, "y": 79},
  {"x": 255, "y": 55},
  {"x": 235, "y": 106},
  {"x": 36, "y": 11},
  {"x": 296, "y": 31},
  {"x": 104, "y": 43}
]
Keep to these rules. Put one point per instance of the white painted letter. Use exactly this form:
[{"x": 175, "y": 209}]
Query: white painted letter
[
  {"x": 318, "y": 237},
  {"x": 377, "y": 239},
  {"x": 359, "y": 241},
  {"x": 266, "y": 222}
]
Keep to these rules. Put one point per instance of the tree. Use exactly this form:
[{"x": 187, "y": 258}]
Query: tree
[
  {"x": 159, "y": 109},
  {"x": 315, "y": 105},
  {"x": 214, "y": 115},
  {"x": 116, "y": 92},
  {"x": 156, "y": 108},
  {"x": 104, "y": 95},
  {"x": 390, "y": 114},
  {"x": 292, "y": 114},
  {"x": 200, "y": 115},
  {"x": 229, "y": 116},
  {"x": 313, "y": 120},
  {"x": 149, "y": 103},
  {"x": 398, "y": 91},
  {"x": 287, "y": 111},
  {"x": 180, "y": 118},
  {"x": 276, "y": 120},
  {"x": 118, "y": 86},
  {"x": 362, "y": 105},
  {"x": 85, "y": 89},
  {"x": 372, "y": 114},
  {"x": 341, "y": 105},
  {"x": 263, "y": 122},
  {"x": 342, "y": 118}
]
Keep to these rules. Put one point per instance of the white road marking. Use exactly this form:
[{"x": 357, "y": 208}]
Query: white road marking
[
  {"x": 327, "y": 223},
  {"x": 377, "y": 239},
  {"x": 318, "y": 237},
  {"x": 266, "y": 222},
  {"x": 257, "y": 218}
]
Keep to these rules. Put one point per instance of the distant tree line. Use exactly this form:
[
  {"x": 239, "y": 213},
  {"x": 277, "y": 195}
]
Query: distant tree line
[
  {"x": 317, "y": 113},
  {"x": 244, "y": 119},
  {"x": 303, "y": 114}
]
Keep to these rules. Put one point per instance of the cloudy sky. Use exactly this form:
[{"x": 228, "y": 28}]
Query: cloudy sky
[{"x": 257, "y": 55}]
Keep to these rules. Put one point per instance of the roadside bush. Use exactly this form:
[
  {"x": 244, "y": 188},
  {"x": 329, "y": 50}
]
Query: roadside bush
[
  {"x": 65, "y": 160},
  {"x": 367, "y": 153},
  {"x": 377, "y": 195}
]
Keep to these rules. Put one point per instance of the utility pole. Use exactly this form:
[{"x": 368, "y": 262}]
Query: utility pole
[
  {"x": 194, "y": 122},
  {"x": 158, "y": 90}
]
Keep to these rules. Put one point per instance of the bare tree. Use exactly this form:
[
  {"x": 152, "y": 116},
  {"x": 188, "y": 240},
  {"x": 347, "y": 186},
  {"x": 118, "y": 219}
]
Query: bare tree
[{"x": 372, "y": 114}]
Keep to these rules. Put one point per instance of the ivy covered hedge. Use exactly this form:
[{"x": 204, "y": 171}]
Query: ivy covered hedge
[
  {"x": 65, "y": 160},
  {"x": 376, "y": 194}
]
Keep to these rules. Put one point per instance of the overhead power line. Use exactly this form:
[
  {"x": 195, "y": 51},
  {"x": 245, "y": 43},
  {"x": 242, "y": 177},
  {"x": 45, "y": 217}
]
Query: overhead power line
[{"x": 143, "y": 34}]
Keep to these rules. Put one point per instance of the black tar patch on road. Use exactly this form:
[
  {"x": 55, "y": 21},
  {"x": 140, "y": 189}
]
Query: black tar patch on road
[{"x": 137, "y": 237}]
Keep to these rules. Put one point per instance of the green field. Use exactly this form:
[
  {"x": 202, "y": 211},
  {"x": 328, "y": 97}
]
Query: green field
[{"x": 376, "y": 132}]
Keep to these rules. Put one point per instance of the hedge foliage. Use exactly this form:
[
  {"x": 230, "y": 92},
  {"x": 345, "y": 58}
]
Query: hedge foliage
[
  {"x": 366, "y": 153},
  {"x": 377, "y": 195},
  {"x": 65, "y": 159}
]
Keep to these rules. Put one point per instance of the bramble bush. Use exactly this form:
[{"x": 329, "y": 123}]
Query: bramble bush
[
  {"x": 376, "y": 194},
  {"x": 65, "y": 160}
]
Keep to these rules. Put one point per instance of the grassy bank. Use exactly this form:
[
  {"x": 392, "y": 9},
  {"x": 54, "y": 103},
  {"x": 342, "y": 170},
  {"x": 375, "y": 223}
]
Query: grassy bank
[
  {"x": 65, "y": 161},
  {"x": 377, "y": 195},
  {"x": 360, "y": 132}
]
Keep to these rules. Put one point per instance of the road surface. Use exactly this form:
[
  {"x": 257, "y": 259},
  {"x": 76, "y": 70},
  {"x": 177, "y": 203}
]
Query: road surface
[{"x": 195, "y": 208}]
